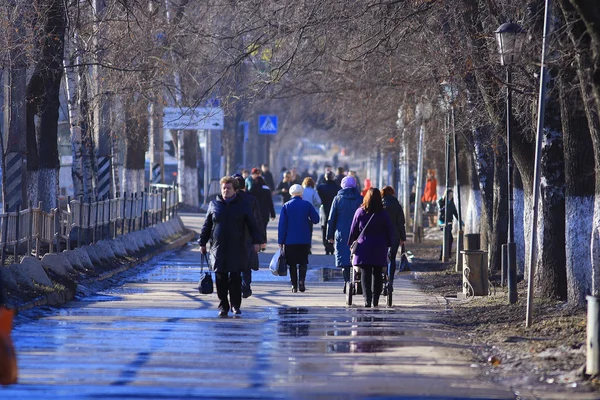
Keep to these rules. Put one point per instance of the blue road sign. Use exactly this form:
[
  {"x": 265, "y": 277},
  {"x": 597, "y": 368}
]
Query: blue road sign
[{"x": 267, "y": 124}]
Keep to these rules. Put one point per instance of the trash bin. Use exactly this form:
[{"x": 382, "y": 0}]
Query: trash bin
[
  {"x": 475, "y": 273},
  {"x": 472, "y": 241}
]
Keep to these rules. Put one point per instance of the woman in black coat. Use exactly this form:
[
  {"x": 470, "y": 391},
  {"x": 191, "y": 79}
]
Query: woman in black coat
[
  {"x": 396, "y": 213},
  {"x": 283, "y": 189},
  {"x": 225, "y": 225},
  {"x": 262, "y": 193}
]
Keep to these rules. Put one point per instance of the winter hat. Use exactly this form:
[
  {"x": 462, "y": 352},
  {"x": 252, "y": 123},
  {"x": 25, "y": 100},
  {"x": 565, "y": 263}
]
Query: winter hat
[
  {"x": 348, "y": 182},
  {"x": 255, "y": 171},
  {"x": 296, "y": 190}
]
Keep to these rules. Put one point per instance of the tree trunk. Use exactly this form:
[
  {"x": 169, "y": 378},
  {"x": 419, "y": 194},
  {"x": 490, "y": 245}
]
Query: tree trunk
[
  {"x": 187, "y": 177},
  {"x": 484, "y": 164},
  {"x": 579, "y": 190},
  {"x": 499, "y": 233},
  {"x": 43, "y": 102},
  {"x": 519, "y": 220},
  {"x": 551, "y": 275},
  {"x": 136, "y": 143},
  {"x": 589, "y": 75}
]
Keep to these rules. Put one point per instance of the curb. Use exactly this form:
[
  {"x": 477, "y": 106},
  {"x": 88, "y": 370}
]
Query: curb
[{"x": 59, "y": 297}]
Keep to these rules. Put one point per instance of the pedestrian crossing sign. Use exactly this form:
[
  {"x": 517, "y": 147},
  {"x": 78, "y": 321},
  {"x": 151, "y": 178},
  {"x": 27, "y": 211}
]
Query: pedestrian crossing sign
[{"x": 267, "y": 124}]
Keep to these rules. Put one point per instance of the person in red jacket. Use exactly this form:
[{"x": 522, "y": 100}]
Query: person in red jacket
[{"x": 430, "y": 194}]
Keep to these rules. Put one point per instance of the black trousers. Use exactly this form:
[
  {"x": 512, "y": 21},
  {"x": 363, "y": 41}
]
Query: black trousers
[
  {"x": 294, "y": 274},
  {"x": 371, "y": 280},
  {"x": 391, "y": 270},
  {"x": 229, "y": 283},
  {"x": 450, "y": 240}
]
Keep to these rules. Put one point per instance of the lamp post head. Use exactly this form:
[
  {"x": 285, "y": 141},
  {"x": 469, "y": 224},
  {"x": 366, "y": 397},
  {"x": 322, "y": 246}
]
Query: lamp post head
[
  {"x": 510, "y": 38},
  {"x": 450, "y": 92}
]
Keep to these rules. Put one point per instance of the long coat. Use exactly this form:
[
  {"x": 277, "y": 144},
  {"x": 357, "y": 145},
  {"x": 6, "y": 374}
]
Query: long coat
[
  {"x": 396, "y": 213},
  {"x": 225, "y": 228},
  {"x": 265, "y": 201},
  {"x": 295, "y": 220},
  {"x": 374, "y": 243},
  {"x": 340, "y": 220},
  {"x": 327, "y": 192}
]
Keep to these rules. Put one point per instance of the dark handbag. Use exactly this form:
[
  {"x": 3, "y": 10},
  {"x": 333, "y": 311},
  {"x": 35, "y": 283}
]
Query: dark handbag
[
  {"x": 205, "y": 284},
  {"x": 254, "y": 262},
  {"x": 354, "y": 244},
  {"x": 404, "y": 265},
  {"x": 282, "y": 264}
]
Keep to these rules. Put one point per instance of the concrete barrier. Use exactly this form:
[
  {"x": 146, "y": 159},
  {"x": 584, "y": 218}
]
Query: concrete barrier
[
  {"x": 29, "y": 272},
  {"x": 9, "y": 283},
  {"x": 117, "y": 247},
  {"x": 148, "y": 242},
  {"x": 138, "y": 240},
  {"x": 129, "y": 244},
  {"x": 91, "y": 252},
  {"x": 104, "y": 251},
  {"x": 155, "y": 236},
  {"x": 74, "y": 260},
  {"x": 58, "y": 264},
  {"x": 85, "y": 259}
]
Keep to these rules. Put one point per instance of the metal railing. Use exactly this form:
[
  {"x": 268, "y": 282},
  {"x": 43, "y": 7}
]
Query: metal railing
[{"x": 35, "y": 232}]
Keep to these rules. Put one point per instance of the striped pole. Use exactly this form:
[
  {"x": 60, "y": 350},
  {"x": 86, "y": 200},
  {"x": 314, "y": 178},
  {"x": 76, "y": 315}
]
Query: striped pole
[
  {"x": 14, "y": 180},
  {"x": 157, "y": 173},
  {"x": 104, "y": 171}
]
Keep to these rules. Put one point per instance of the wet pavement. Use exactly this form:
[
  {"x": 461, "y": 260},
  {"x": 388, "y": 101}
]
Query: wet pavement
[{"x": 156, "y": 337}]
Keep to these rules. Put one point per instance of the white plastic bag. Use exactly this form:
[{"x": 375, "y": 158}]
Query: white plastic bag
[{"x": 273, "y": 265}]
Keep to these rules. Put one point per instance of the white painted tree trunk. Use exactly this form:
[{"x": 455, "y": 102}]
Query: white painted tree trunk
[
  {"x": 579, "y": 213},
  {"x": 71, "y": 87},
  {"x": 133, "y": 181},
  {"x": 519, "y": 219},
  {"x": 595, "y": 246},
  {"x": 48, "y": 187},
  {"x": 472, "y": 211}
]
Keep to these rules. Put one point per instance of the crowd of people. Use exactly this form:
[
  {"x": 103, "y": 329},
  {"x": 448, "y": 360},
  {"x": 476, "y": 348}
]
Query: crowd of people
[{"x": 239, "y": 216}]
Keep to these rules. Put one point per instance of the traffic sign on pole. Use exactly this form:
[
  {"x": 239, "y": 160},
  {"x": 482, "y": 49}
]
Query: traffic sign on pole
[
  {"x": 267, "y": 124},
  {"x": 188, "y": 118}
]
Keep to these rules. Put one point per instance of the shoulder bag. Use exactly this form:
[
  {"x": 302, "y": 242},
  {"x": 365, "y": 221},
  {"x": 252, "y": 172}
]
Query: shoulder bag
[
  {"x": 354, "y": 244},
  {"x": 205, "y": 284}
]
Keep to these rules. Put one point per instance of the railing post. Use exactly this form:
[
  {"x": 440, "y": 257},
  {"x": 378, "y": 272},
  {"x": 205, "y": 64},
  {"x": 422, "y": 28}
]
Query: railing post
[
  {"x": 56, "y": 230},
  {"x": 130, "y": 213},
  {"x": 124, "y": 210},
  {"x": 4, "y": 234},
  {"x": 89, "y": 221},
  {"x": 109, "y": 217},
  {"x": 30, "y": 237},
  {"x": 95, "y": 221},
  {"x": 80, "y": 221},
  {"x": 16, "y": 248},
  {"x": 40, "y": 226}
]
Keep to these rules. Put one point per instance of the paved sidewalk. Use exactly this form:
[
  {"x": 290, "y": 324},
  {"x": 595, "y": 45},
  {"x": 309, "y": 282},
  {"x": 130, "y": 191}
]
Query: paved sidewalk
[{"x": 156, "y": 337}]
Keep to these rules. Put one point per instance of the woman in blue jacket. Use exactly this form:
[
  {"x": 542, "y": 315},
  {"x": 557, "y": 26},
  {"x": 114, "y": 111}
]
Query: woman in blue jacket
[
  {"x": 342, "y": 212},
  {"x": 295, "y": 221}
]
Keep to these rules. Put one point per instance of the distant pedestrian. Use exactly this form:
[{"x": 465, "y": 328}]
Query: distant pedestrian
[
  {"x": 245, "y": 173},
  {"x": 323, "y": 176},
  {"x": 343, "y": 208},
  {"x": 366, "y": 187},
  {"x": 252, "y": 255},
  {"x": 452, "y": 213},
  {"x": 268, "y": 176},
  {"x": 261, "y": 191},
  {"x": 310, "y": 194},
  {"x": 327, "y": 192},
  {"x": 225, "y": 224},
  {"x": 340, "y": 175},
  {"x": 296, "y": 180},
  {"x": 283, "y": 189},
  {"x": 294, "y": 235},
  {"x": 372, "y": 252},
  {"x": 430, "y": 195},
  {"x": 396, "y": 213}
]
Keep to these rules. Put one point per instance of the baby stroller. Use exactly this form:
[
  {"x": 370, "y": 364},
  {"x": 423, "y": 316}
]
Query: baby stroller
[{"x": 354, "y": 287}]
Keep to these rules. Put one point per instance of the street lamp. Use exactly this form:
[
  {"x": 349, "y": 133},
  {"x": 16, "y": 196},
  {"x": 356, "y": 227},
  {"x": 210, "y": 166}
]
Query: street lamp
[
  {"x": 510, "y": 37},
  {"x": 450, "y": 93},
  {"x": 423, "y": 113}
]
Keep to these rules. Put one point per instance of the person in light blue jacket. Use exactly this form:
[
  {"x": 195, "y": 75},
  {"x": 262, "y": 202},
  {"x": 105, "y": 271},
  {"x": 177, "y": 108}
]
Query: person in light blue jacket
[
  {"x": 294, "y": 239},
  {"x": 342, "y": 212}
]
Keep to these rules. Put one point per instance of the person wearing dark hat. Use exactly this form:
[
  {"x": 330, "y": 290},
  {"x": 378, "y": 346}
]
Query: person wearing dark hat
[
  {"x": 227, "y": 220},
  {"x": 251, "y": 180},
  {"x": 262, "y": 193},
  {"x": 294, "y": 238},
  {"x": 342, "y": 212},
  {"x": 268, "y": 176},
  {"x": 252, "y": 255},
  {"x": 327, "y": 192}
]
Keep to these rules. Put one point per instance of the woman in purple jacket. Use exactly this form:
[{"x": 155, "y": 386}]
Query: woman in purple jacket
[{"x": 371, "y": 252}]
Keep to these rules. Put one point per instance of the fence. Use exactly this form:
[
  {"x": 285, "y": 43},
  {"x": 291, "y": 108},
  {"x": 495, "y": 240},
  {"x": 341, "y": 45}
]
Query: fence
[{"x": 34, "y": 232}]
